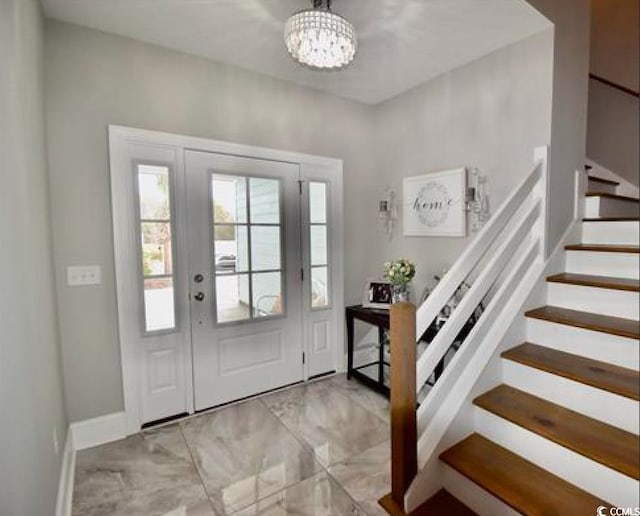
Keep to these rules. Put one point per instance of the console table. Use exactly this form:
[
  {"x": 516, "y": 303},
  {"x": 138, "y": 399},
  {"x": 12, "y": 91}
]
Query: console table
[{"x": 379, "y": 318}]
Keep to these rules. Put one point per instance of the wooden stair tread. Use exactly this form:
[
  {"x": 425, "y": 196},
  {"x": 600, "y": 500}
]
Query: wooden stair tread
[
  {"x": 611, "y": 219},
  {"x": 603, "y": 443},
  {"x": 608, "y": 377},
  {"x": 603, "y": 181},
  {"x": 604, "y": 248},
  {"x": 588, "y": 280},
  {"x": 612, "y": 196},
  {"x": 522, "y": 485},
  {"x": 442, "y": 503},
  {"x": 587, "y": 320}
]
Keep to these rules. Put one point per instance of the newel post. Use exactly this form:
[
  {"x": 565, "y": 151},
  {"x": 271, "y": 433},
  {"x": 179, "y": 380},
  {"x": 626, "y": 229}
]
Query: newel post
[{"x": 404, "y": 461}]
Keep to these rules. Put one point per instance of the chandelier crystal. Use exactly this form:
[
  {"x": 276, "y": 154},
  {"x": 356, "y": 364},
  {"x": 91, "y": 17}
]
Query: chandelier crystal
[{"x": 320, "y": 38}]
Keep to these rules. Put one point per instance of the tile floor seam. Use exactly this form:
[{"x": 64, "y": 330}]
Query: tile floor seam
[
  {"x": 305, "y": 445},
  {"x": 367, "y": 405},
  {"x": 345, "y": 489},
  {"x": 358, "y": 402},
  {"x": 193, "y": 461},
  {"x": 336, "y": 388}
]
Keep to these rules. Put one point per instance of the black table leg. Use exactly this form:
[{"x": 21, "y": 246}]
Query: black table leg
[
  {"x": 349, "y": 320},
  {"x": 381, "y": 355}
]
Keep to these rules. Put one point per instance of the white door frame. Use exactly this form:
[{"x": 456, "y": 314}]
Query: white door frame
[{"x": 119, "y": 138}]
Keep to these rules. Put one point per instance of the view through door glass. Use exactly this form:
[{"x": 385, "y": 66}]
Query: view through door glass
[{"x": 247, "y": 233}]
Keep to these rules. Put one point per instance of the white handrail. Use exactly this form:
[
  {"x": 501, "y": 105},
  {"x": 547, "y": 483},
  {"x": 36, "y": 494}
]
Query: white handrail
[
  {"x": 505, "y": 259},
  {"x": 437, "y": 412},
  {"x": 440, "y": 344},
  {"x": 454, "y": 277}
]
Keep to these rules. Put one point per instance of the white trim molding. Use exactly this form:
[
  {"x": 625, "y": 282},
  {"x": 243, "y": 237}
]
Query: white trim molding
[
  {"x": 97, "y": 431},
  {"x": 80, "y": 436},
  {"x": 122, "y": 138},
  {"x": 67, "y": 476}
]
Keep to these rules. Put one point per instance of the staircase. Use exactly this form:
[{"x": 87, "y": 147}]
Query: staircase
[{"x": 559, "y": 436}]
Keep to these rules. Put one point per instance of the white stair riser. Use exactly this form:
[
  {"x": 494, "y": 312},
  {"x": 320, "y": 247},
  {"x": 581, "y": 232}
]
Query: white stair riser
[
  {"x": 473, "y": 496},
  {"x": 617, "y": 303},
  {"x": 576, "y": 469},
  {"x": 611, "y": 232},
  {"x": 596, "y": 345},
  {"x": 598, "y": 187},
  {"x": 607, "y": 207},
  {"x": 617, "y": 265},
  {"x": 596, "y": 403}
]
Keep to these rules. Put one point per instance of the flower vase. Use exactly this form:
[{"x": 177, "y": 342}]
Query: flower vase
[{"x": 401, "y": 293}]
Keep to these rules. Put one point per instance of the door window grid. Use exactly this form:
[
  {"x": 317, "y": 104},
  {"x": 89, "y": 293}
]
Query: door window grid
[
  {"x": 247, "y": 247},
  {"x": 153, "y": 188},
  {"x": 319, "y": 245}
]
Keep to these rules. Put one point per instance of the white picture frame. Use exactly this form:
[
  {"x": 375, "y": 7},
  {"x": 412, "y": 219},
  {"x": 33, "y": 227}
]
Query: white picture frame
[
  {"x": 377, "y": 294},
  {"x": 434, "y": 204}
]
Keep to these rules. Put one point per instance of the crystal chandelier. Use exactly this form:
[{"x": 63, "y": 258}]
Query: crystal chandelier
[{"x": 320, "y": 38}]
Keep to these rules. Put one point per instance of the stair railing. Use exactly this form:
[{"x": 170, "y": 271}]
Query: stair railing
[{"x": 517, "y": 232}]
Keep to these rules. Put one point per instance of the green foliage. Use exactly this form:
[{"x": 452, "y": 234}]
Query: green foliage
[
  {"x": 400, "y": 272},
  {"x": 222, "y": 215}
]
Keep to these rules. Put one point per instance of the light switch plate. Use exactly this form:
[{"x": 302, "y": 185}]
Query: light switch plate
[{"x": 83, "y": 275}]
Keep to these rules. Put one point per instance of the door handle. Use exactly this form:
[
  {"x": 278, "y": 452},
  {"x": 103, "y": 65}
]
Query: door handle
[{"x": 198, "y": 296}]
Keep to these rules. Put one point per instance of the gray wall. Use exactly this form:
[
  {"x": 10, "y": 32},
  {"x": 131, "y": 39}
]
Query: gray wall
[
  {"x": 570, "y": 93},
  {"x": 614, "y": 117},
  {"x": 490, "y": 114},
  {"x": 31, "y": 403},
  {"x": 614, "y": 131},
  {"x": 94, "y": 79}
]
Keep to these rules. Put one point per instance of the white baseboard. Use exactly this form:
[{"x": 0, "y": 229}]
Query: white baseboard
[
  {"x": 99, "y": 430},
  {"x": 67, "y": 474},
  {"x": 82, "y": 435}
]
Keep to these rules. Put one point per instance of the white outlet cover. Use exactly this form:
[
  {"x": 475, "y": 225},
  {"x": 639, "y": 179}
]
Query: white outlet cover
[{"x": 82, "y": 275}]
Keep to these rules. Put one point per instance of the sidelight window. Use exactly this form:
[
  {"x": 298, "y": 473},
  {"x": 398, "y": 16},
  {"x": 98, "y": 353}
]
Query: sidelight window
[
  {"x": 157, "y": 246},
  {"x": 319, "y": 244}
]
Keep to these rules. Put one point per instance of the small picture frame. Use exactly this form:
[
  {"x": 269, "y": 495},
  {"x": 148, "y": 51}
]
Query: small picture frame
[{"x": 377, "y": 294}]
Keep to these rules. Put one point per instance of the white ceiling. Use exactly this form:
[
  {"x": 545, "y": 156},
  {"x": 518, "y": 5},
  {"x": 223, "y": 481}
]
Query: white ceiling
[{"x": 402, "y": 43}]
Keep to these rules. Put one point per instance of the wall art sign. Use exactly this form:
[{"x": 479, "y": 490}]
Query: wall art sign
[{"x": 434, "y": 204}]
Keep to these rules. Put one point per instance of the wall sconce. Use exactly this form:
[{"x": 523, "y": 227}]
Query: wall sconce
[
  {"x": 477, "y": 201},
  {"x": 388, "y": 212}
]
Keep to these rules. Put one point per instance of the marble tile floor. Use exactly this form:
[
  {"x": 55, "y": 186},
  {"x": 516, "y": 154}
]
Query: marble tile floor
[{"x": 320, "y": 448}]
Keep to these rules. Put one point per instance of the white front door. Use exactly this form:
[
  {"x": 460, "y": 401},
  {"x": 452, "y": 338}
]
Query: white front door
[
  {"x": 245, "y": 275},
  {"x": 228, "y": 269}
]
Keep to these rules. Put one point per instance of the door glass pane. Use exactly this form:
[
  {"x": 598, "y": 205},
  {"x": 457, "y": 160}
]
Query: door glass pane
[
  {"x": 229, "y": 195},
  {"x": 265, "y": 248},
  {"x": 159, "y": 304},
  {"x": 253, "y": 248},
  {"x": 318, "y": 245},
  {"x": 156, "y": 248},
  {"x": 153, "y": 189},
  {"x": 231, "y": 252},
  {"x": 317, "y": 203},
  {"x": 232, "y": 298},
  {"x": 319, "y": 287},
  {"x": 267, "y": 294},
  {"x": 265, "y": 201}
]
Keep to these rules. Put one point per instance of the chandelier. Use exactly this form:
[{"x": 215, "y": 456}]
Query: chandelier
[{"x": 319, "y": 38}]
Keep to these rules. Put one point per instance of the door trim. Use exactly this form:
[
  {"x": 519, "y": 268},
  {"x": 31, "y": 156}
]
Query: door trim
[{"x": 119, "y": 138}]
